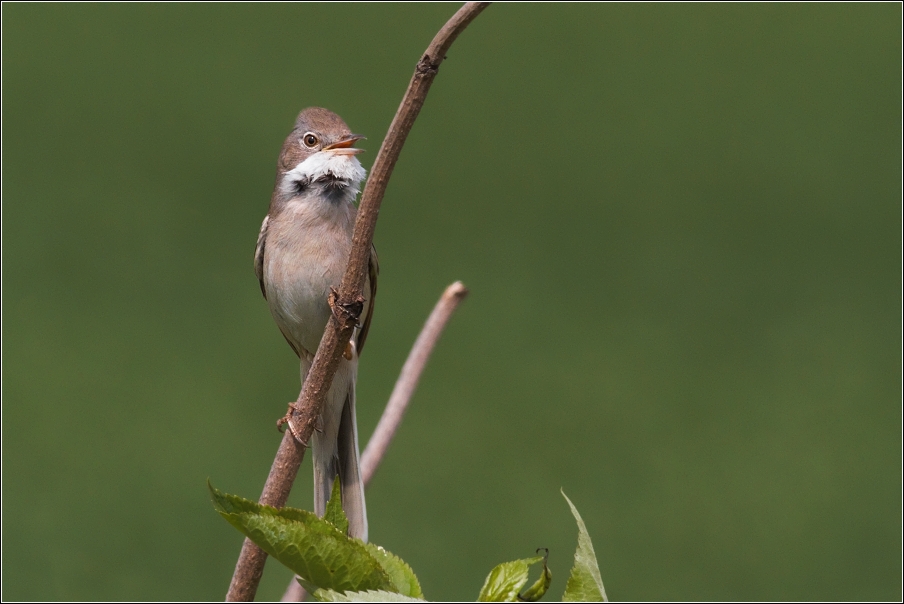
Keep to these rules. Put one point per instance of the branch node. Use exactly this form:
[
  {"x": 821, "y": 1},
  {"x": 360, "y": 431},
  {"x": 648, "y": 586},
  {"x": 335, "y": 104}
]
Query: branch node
[{"x": 426, "y": 65}]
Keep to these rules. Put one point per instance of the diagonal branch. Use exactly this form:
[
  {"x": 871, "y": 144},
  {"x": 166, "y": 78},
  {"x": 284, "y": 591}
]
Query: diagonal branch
[
  {"x": 408, "y": 379},
  {"x": 347, "y": 302},
  {"x": 400, "y": 397}
]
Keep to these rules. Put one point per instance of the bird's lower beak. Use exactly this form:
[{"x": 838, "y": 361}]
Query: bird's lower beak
[{"x": 344, "y": 146}]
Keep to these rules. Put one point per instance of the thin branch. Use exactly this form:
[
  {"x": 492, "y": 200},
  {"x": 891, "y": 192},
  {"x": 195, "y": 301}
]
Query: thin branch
[
  {"x": 294, "y": 592},
  {"x": 401, "y": 395},
  {"x": 348, "y": 302},
  {"x": 408, "y": 379}
]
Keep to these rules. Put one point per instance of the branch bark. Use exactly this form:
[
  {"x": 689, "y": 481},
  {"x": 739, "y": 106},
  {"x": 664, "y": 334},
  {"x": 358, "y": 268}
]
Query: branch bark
[{"x": 348, "y": 301}]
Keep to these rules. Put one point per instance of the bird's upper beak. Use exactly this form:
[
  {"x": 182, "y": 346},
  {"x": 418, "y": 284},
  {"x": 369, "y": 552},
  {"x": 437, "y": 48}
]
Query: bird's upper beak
[{"x": 344, "y": 145}]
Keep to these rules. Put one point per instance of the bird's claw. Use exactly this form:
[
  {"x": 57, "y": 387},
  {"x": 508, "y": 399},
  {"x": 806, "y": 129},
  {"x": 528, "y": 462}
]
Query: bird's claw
[{"x": 286, "y": 420}]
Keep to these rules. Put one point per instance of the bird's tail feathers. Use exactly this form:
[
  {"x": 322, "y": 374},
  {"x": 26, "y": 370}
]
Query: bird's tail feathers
[{"x": 335, "y": 451}]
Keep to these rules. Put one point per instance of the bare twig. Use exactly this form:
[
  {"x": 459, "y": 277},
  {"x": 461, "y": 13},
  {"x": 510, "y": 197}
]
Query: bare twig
[
  {"x": 400, "y": 397},
  {"x": 408, "y": 379},
  {"x": 294, "y": 592},
  {"x": 348, "y": 301}
]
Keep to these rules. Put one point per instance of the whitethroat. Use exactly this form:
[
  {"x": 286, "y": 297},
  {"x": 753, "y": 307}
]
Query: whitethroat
[{"x": 302, "y": 252}]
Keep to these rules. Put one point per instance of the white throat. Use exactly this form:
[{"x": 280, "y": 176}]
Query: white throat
[{"x": 323, "y": 166}]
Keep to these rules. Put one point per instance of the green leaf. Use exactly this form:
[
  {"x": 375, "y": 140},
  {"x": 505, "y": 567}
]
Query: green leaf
[
  {"x": 310, "y": 546},
  {"x": 506, "y": 580},
  {"x": 401, "y": 575},
  {"x": 228, "y": 504},
  {"x": 538, "y": 589},
  {"x": 585, "y": 583},
  {"x": 327, "y": 595},
  {"x": 334, "y": 514}
]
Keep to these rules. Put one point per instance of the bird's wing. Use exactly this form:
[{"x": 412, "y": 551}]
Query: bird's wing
[
  {"x": 374, "y": 270},
  {"x": 259, "y": 271},
  {"x": 259, "y": 255}
]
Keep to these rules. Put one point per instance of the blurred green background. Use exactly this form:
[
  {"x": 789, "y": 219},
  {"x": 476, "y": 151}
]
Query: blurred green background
[{"x": 681, "y": 226}]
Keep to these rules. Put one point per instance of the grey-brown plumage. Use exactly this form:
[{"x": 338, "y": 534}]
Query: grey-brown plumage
[{"x": 302, "y": 251}]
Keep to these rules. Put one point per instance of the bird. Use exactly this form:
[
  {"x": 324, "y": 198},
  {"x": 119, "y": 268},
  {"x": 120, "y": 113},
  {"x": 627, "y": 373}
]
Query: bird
[{"x": 301, "y": 255}]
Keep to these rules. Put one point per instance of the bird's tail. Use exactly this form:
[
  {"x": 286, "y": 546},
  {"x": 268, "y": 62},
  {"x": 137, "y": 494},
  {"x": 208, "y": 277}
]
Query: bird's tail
[{"x": 335, "y": 451}]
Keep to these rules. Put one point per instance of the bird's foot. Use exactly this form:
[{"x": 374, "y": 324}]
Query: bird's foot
[
  {"x": 345, "y": 311},
  {"x": 286, "y": 420}
]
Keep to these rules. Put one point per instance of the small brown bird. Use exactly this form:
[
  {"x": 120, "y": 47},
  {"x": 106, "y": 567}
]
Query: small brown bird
[{"x": 302, "y": 251}]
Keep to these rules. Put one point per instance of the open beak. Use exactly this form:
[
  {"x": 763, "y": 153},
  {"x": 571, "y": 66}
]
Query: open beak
[{"x": 344, "y": 146}]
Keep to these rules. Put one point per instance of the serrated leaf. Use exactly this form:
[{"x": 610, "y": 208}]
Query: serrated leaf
[
  {"x": 540, "y": 586},
  {"x": 326, "y": 595},
  {"x": 310, "y": 546},
  {"x": 334, "y": 513},
  {"x": 229, "y": 504},
  {"x": 403, "y": 578},
  {"x": 506, "y": 580},
  {"x": 585, "y": 583}
]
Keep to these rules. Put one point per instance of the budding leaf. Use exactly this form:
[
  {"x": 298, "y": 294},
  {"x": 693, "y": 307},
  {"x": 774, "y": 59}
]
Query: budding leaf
[
  {"x": 540, "y": 586},
  {"x": 328, "y": 595},
  {"x": 506, "y": 580},
  {"x": 585, "y": 583},
  {"x": 334, "y": 514},
  {"x": 310, "y": 546}
]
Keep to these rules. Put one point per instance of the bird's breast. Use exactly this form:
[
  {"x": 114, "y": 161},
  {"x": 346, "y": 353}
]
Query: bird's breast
[{"x": 307, "y": 249}]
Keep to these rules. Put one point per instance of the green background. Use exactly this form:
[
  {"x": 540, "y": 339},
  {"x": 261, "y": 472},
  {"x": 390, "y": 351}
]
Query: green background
[{"x": 681, "y": 227}]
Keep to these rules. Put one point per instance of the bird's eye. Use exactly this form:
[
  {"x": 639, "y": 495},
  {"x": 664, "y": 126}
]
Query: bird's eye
[{"x": 310, "y": 140}]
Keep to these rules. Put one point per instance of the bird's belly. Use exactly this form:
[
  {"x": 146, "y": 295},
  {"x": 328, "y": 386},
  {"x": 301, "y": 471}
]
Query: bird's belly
[{"x": 299, "y": 278}]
